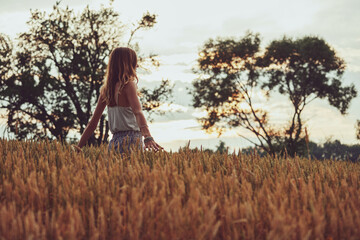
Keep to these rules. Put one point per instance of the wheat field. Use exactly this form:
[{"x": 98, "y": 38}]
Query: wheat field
[{"x": 48, "y": 191}]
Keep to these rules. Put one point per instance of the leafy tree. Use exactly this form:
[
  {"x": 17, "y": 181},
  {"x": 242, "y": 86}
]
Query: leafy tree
[
  {"x": 231, "y": 70},
  {"x": 353, "y": 153},
  {"x": 221, "y": 148},
  {"x": 305, "y": 69},
  {"x": 228, "y": 76},
  {"x": 50, "y": 81},
  {"x": 152, "y": 99}
]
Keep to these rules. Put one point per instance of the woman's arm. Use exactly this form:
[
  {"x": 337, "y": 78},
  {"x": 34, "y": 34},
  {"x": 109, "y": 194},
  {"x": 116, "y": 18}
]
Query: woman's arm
[
  {"x": 131, "y": 94},
  {"x": 90, "y": 128}
]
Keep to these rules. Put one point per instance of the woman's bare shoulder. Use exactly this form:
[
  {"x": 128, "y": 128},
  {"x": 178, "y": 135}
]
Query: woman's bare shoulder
[{"x": 131, "y": 85}]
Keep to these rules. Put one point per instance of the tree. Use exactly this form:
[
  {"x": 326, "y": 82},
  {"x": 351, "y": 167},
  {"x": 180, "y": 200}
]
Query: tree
[
  {"x": 358, "y": 129},
  {"x": 231, "y": 70},
  {"x": 50, "y": 82},
  {"x": 305, "y": 69},
  {"x": 228, "y": 76},
  {"x": 221, "y": 148}
]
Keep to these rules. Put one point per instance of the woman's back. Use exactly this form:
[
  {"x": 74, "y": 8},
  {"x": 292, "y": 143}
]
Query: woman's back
[
  {"x": 120, "y": 114},
  {"x": 120, "y": 99}
]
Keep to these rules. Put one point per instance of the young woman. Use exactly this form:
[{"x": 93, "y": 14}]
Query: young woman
[{"x": 119, "y": 93}]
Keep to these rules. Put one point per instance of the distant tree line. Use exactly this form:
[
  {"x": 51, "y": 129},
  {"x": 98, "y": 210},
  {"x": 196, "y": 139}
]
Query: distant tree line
[
  {"x": 221, "y": 148},
  {"x": 331, "y": 149}
]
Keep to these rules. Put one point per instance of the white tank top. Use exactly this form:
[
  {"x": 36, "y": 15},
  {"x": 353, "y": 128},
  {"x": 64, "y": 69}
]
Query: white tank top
[{"x": 121, "y": 118}]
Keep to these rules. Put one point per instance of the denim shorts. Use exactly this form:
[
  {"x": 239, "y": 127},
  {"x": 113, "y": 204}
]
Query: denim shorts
[{"x": 123, "y": 141}]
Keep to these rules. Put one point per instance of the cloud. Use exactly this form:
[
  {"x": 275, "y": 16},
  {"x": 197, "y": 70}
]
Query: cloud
[
  {"x": 182, "y": 64},
  {"x": 351, "y": 56},
  {"x": 25, "y": 6},
  {"x": 173, "y": 108},
  {"x": 337, "y": 22}
]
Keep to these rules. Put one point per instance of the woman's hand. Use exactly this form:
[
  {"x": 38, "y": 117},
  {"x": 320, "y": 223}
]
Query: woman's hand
[{"x": 151, "y": 144}]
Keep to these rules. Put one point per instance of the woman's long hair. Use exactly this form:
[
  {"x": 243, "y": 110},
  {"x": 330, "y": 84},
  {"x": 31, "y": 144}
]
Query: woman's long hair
[{"x": 121, "y": 68}]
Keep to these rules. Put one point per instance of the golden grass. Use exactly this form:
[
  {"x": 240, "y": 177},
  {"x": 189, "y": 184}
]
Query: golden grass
[{"x": 48, "y": 191}]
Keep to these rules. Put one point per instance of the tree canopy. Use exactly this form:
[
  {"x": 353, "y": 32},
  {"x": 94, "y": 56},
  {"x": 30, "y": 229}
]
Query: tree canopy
[
  {"x": 228, "y": 75},
  {"x": 303, "y": 70}
]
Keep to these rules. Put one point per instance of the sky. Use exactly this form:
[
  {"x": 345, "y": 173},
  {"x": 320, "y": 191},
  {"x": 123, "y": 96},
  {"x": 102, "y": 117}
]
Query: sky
[{"x": 184, "y": 26}]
